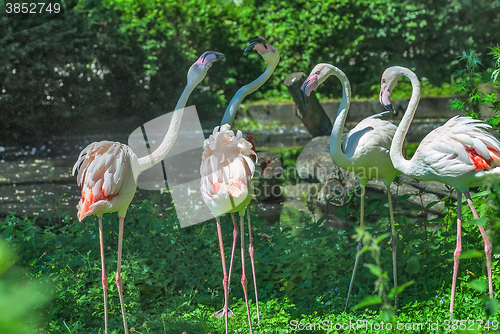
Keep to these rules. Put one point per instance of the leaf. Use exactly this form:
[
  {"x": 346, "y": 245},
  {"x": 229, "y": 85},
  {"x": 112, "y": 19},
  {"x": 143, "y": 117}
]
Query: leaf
[
  {"x": 468, "y": 254},
  {"x": 490, "y": 306},
  {"x": 367, "y": 301},
  {"x": 431, "y": 204},
  {"x": 478, "y": 285},
  {"x": 403, "y": 198},
  {"x": 400, "y": 288},
  {"x": 289, "y": 285},
  {"x": 481, "y": 194},
  {"x": 413, "y": 265},
  {"x": 374, "y": 269}
]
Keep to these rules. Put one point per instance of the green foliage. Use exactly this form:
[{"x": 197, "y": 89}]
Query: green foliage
[
  {"x": 172, "y": 276},
  {"x": 478, "y": 87},
  {"x": 117, "y": 59},
  {"x": 20, "y": 300}
]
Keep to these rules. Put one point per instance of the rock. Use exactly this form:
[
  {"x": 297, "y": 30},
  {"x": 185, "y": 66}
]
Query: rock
[
  {"x": 302, "y": 191},
  {"x": 315, "y": 164},
  {"x": 336, "y": 185}
]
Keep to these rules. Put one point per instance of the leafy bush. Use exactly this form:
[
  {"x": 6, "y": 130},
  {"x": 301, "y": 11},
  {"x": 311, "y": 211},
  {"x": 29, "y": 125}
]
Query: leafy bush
[
  {"x": 119, "y": 60},
  {"x": 473, "y": 81}
]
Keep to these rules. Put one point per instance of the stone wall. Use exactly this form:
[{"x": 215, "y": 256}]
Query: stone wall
[{"x": 431, "y": 112}]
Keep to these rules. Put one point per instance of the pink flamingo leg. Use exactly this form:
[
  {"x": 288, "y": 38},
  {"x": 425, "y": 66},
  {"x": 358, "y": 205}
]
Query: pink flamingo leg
[
  {"x": 394, "y": 245},
  {"x": 487, "y": 243},
  {"x": 360, "y": 245},
  {"x": 458, "y": 249},
  {"x": 235, "y": 236},
  {"x": 243, "y": 276},
  {"x": 104, "y": 278},
  {"x": 220, "y": 313},
  {"x": 250, "y": 251},
  {"x": 224, "y": 280},
  {"x": 119, "y": 282}
]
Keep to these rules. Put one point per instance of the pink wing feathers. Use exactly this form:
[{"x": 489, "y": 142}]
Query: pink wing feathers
[
  {"x": 461, "y": 145},
  {"x": 226, "y": 169},
  {"x": 101, "y": 168}
]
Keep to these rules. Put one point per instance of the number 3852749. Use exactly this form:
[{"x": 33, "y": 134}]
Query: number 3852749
[{"x": 32, "y": 8}]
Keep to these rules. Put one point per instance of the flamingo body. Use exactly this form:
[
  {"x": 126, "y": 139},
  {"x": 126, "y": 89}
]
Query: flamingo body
[
  {"x": 365, "y": 150},
  {"x": 227, "y": 167},
  {"x": 226, "y": 171},
  {"x": 106, "y": 178},
  {"x": 367, "y": 146},
  {"x": 460, "y": 153},
  {"x": 108, "y": 171}
]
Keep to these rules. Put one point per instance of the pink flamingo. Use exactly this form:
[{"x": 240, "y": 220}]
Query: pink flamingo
[
  {"x": 107, "y": 173},
  {"x": 227, "y": 169},
  {"x": 460, "y": 153},
  {"x": 364, "y": 149}
]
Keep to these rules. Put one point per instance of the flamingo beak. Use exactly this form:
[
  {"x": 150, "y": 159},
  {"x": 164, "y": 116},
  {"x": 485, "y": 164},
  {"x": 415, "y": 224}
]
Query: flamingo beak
[
  {"x": 261, "y": 48},
  {"x": 308, "y": 86},
  {"x": 385, "y": 98},
  {"x": 209, "y": 57}
]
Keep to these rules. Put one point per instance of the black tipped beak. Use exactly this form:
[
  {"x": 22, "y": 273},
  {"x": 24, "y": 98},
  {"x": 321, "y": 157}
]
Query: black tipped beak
[
  {"x": 251, "y": 46},
  {"x": 257, "y": 39},
  {"x": 389, "y": 107},
  {"x": 218, "y": 55}
]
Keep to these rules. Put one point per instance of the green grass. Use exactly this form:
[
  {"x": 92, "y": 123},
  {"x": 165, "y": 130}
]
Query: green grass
[{"x": 172, "y": 276}]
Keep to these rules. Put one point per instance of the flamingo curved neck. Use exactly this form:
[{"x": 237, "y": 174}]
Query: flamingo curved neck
[
  {"x": 396, "y": 152},
  {"x": 231, "y": 110},
  {"x": 338, "y": 126},
  {"x": 169, "y": 139}
]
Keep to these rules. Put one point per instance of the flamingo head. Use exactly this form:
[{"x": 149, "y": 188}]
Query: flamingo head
[
  {"x": 318, "y": 75},
  {"x": 387, "y": 84},
  {"x": 199, "y": 69},
  {"x": 270, "y": 55}
]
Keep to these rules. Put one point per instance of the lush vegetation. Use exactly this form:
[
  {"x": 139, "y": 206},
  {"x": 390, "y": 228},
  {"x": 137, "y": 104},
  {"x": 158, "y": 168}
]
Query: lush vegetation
[
  {"x": 172, "y": 276},
  {"x": 128, "y": 60}
]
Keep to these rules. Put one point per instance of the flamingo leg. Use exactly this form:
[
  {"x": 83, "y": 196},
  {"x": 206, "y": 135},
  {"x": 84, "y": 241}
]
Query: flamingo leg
[
  {"x": 103, "y": 278},
  {"x": 394, "y": 244},
  {"x": 235, "y": 236},
  {"x": 487, "y": 243},
  {"x": 360, "y": 245},
  {"x": 243, "y": 276},
  {"x": 224, "y": 280},
  {"x": 458, "y": 249},
  {"x": 119, "y": 282},
  {"x": 250, "y": 251}
]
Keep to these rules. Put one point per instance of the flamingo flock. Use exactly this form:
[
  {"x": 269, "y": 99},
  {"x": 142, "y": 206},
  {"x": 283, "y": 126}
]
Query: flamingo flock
[{"x": 461, "y": 153}]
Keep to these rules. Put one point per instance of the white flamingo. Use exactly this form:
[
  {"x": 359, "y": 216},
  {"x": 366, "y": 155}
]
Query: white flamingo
[
  {"x": 227, "y": 169},
  {"x": 460, "y": 153},
  {"x": 107, "y": 173},
  {"x": 365, "y": 150}
]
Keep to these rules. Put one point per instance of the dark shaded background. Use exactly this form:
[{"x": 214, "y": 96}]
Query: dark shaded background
[{"x": 110, "y": 66}]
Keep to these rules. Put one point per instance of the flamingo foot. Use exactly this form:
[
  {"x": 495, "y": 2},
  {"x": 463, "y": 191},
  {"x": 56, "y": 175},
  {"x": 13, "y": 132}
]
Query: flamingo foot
[{"x": 221, "y": 313}]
